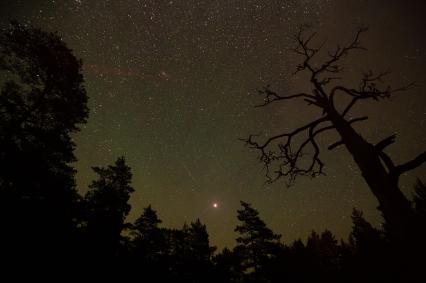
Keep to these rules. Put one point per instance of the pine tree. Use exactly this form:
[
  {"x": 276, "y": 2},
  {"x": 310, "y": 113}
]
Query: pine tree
[
  {"x": 149, "y": 241},
  {"x": 107, "y": 206},
  {"x": 147, "y": 223},
  {"x": 364, "y": 236},
  {"x": 191, "y": 253},
  {"x": 227, "y": 266},
  {"x": 323, "y": 252},
  {"x": 256, "y": 241},
  {"x": 373, "y": 258},
  {"x": 198, "y": 240}
]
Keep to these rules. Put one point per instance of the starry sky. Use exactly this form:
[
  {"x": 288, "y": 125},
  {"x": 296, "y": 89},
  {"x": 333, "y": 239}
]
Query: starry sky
[{"x": 172, "y": 85}]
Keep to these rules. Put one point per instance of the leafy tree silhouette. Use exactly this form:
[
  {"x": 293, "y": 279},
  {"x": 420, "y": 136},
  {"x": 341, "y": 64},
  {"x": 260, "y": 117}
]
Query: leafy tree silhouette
[
  {"x": 42, "y": 102},
  {"x": 285, "y": 155},
  {"x": 107, "y": 207}
]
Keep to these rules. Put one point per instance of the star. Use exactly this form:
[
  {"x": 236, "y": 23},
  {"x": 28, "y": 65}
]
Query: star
[{"x": 188, "y": 96}]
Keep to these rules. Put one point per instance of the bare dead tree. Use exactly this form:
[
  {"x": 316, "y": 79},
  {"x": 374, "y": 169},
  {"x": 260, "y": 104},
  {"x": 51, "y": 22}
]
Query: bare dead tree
[{"x": 286, "y": 155}]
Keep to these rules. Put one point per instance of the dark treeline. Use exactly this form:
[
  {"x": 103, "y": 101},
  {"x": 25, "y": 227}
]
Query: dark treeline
[{"x": 45, "y": 221}]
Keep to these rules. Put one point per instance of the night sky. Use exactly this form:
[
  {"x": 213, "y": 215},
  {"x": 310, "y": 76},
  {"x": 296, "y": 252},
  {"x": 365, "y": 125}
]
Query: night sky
[{"x": 172, "y": 85}]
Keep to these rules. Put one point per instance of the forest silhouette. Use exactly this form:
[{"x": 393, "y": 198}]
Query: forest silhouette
[{"x": 45, "y": 221}]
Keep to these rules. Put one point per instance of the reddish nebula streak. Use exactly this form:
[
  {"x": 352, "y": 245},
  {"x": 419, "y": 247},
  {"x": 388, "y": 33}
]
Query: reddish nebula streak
[
  {"x": 104, "y": 70},
  {"x": 100, "y": 70}
]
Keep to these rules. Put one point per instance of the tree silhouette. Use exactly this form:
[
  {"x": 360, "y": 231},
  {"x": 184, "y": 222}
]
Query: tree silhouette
[
  {"x": 324, "y": 253},
  {"x": 190, "y": 253},
  {"x": 107, "y": 207},
  {"x": 370, "y": 257},
  {"x": 227, "y": 266},
  {"x": 364, "y": 236},
  {"x": 199, "y": 252},
  {"x": 42, "y": 101},
  {"x": 150, "y": 249},
  {"x": 198, "y": 240},
  {"x": 298, "y": 263},
  {"x": 419, "y": 199},
  {"x": 147, "y": 235},
  {"x": 419, "y": 204},
  {"x": 256, "y": 243},
  {"x": 288, "y": 155}
]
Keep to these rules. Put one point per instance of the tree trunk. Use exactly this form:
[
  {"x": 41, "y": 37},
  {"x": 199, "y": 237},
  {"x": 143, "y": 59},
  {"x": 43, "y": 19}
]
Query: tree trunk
[{"x": 393, "y": 204}]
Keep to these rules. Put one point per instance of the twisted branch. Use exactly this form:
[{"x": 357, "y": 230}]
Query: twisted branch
[
  {"x": 289, "y": 157},
  {"x": 271, "y": 96}
]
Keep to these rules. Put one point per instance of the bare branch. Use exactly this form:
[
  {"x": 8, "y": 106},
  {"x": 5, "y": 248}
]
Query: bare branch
[
  {"x": 368, "y": 90},
  {"x": 385, "y": 142},
  {"x": 359, "y": 119},
  {"x": 349, "y": 106},
  {"x": 327, "y": 80},
  {"x": 410, "y": 165},
  {"x": 311, "y": 139},
  {"x": 271, "y": 96},
  {"x": 329, "y": 66},
  {"x": 287, "y": 158},
  {"x": 295, "y": 132},
  {"x": 286, "y": 153},
  {"x": 315, "y": 160},
  {"x": 324, "y": 129},
  {"x": 305, "y": 50},
  {"x": 334, "y": 145}
]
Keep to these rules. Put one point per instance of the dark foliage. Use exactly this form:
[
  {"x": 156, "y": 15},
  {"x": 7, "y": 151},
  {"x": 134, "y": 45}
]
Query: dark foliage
[
  {"x": 106, "y": 207},
  {"x": 42, "y": 102},
  {"x": 257, "y": 245}
]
